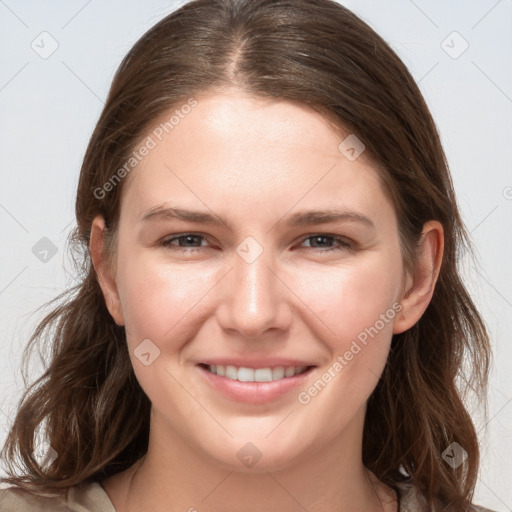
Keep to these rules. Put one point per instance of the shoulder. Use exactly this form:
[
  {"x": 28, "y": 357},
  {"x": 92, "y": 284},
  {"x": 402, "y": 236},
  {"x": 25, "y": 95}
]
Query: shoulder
[
  {"x": 87, "y": 497},
  {"x": 14, "y": 499},
  {"x": 411, "y": 500}
]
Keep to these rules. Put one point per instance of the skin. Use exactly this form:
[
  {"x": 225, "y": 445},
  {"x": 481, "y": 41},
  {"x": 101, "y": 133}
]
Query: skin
[{"x": 255, "y": 162}]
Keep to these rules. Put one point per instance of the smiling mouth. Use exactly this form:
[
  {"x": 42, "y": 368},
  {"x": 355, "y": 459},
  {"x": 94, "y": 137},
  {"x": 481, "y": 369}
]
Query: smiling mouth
[{"x": 244, "y": 374}]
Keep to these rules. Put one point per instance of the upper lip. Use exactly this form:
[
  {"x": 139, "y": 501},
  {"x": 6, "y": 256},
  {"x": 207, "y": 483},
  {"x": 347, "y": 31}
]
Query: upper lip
[{"x": 267, "y": 362}]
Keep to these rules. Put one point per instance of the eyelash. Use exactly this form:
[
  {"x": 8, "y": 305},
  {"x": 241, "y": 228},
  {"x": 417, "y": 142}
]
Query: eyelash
[{"x": 344, "y": 245}]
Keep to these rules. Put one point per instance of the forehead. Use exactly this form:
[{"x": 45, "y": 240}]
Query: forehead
[{"x": 250, "y": 155}]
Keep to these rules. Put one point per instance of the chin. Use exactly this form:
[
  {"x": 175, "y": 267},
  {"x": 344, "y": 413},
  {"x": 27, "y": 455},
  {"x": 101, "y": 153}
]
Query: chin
[{"x": 260, "y": 456}]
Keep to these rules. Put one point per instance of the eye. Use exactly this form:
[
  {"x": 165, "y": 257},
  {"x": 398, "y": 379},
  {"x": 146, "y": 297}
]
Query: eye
[
  {"x": 183, "y": 241},
  {"x": 191, "y": 242},
  {"x": 319, "y": 242}
]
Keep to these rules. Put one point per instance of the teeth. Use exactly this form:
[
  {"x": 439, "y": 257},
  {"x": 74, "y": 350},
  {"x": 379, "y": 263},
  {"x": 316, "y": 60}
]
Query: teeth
[
  {"x": 246, "y": 374},
  {"x": 256, "y": 375},
  {"x": 278, "y": 373},
  {"x": 289, "y": 371},
  {"x": 231, "y": 372},
  {"x": 263, "y": 375}
]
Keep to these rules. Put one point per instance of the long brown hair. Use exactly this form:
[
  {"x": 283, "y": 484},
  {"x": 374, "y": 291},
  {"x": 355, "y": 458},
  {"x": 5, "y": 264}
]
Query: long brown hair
[{"x": 317, "y": 53}]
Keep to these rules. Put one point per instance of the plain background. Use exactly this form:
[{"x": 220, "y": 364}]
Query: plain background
[{"x": 49, "y": 106}]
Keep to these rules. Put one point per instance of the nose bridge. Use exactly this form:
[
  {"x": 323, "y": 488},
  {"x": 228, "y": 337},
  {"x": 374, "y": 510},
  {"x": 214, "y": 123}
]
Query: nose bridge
[
  {"x": 254, "y": 299},
  {"x": 252, "y": 284}
]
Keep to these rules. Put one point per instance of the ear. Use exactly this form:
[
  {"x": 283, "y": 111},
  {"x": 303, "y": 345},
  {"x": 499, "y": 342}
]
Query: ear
[
  {"x": 103, "y": 270},
  {"x": 420, "y": 286}
]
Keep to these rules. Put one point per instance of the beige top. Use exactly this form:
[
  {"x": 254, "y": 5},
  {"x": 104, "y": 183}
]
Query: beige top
[{"x": 92, "y": 498}]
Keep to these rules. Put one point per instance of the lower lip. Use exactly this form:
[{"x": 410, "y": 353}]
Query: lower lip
[{"x": 254, "y": 392}]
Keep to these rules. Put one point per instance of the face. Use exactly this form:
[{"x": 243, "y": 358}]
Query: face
[{"x": 256, "y": 286}]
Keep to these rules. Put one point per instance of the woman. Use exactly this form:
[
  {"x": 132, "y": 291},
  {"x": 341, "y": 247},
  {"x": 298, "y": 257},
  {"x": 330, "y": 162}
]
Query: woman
[{"x": 271, "y": 315}]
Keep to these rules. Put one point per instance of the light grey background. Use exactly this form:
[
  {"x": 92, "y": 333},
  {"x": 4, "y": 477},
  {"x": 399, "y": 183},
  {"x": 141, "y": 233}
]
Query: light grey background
[{"x": 49, "y": 106}]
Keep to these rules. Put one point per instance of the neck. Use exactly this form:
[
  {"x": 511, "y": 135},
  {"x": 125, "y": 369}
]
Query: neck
[{"x": 174, "y": 477}]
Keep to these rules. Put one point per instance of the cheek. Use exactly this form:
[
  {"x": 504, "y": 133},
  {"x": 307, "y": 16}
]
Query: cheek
[
  {"x": 350, "y": 299},
  {"x": 165, "y": 304},
  {"x": 158, "y": 300},
  {"x": 358, "y": 306}
]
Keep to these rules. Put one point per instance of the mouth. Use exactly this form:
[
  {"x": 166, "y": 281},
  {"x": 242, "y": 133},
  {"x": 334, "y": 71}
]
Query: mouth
[
  {"x": 254, "y": 385},
  {"x": 245, "y": 374}
]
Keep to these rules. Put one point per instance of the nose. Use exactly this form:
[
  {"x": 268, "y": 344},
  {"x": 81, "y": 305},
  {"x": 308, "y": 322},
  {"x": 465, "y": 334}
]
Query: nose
[{"x": 254, "y": 298}]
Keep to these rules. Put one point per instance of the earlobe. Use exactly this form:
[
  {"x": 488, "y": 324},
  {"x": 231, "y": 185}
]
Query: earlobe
[
  {"x": 421, "y": 287},
  {"x": 103, "y": 271}
]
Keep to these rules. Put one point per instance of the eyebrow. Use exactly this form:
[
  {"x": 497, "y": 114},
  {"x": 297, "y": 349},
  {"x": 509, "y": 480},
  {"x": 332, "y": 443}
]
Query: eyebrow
[{"x": 303, "y": 218}]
